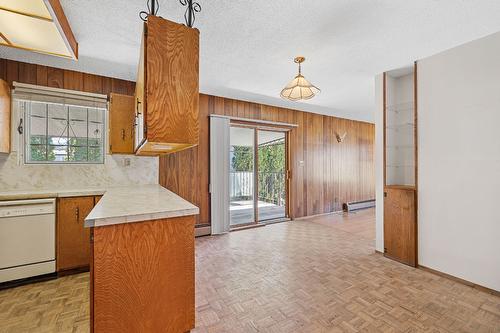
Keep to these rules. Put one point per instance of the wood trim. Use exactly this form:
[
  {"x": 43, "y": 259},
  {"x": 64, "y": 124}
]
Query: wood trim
[
  {"x": 2, "y": 36},
  {"x": 415, "y": 144},
  {"x": 401, "y": 187},
  {"x": 461, "y": 281},
  {"x": 43, "y": 18},
  {"x": 5, "y": 117},
  {"x": 384, "y": 107},
  {"x": 255, "y": 121},
  {"x": 62, "y": 24}
]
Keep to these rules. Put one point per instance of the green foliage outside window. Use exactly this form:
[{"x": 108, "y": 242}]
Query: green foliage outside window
[{"x": 271, "y": 180}]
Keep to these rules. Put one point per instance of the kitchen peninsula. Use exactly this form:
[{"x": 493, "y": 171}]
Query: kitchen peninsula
[{"x": 142, "y": 261}]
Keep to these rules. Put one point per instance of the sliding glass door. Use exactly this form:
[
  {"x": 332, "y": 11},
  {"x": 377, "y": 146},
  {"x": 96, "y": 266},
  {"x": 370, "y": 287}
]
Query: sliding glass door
[
  {"x": 271, "y": 175},
  {"x": 257, "y": 175},
  {"x": 241, "y": 176}
]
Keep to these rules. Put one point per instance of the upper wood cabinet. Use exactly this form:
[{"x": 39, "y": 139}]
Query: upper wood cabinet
[
  {"x": 5, "y": 105},
  {"x": 121, "y": 124},
  {"x": 167, "y": 88},
  {"x": 73, "y": 239}
]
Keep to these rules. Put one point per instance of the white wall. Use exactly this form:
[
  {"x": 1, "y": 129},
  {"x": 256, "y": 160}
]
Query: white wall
[{"x": 459, "y": 161}]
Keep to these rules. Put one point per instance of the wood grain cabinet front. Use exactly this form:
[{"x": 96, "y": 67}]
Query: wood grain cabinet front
[
  {"x": 5, "y": 101},
  {"x": 167, "y": 88},
  {"x": 142, "y": 277},
  {"x": 400, "y": 225},
  {"x": 121, "y": 124},
  {"x": 73, "y": 239}
]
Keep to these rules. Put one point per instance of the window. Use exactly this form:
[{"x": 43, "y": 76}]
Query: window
[{"x": 63, "y": 133}]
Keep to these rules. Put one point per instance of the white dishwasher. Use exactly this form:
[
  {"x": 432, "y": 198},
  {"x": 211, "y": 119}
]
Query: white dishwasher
[{"x": 27, "y": 238}]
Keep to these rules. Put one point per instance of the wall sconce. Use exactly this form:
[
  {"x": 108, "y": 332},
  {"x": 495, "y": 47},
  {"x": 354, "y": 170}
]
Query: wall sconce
[{"x": 340, "y": 138}]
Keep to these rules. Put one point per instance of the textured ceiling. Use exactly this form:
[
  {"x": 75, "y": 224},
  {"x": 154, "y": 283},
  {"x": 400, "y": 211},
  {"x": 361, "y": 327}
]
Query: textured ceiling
[{"x": 247, "y": 47}]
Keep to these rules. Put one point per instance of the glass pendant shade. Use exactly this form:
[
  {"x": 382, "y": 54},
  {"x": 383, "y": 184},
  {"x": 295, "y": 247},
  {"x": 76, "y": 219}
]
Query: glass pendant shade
[{"x": 299, "y": 88}]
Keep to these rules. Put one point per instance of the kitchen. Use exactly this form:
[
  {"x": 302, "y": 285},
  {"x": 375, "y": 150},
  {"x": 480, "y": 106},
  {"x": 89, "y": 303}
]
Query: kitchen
[
  {"x": 172, "y": 169},
  {"x": 79, "y": 179}
]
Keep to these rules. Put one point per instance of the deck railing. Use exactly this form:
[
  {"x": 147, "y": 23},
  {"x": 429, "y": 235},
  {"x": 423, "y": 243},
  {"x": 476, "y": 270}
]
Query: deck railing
[{"x": 271, "y": 186}]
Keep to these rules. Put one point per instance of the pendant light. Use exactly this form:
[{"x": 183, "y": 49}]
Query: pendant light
[{"x": 299, "y": 88}]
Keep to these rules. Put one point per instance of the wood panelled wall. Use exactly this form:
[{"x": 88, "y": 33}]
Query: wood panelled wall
[
  {"x": 331, "y": 174},
  {"x": 22, "y": 72}
]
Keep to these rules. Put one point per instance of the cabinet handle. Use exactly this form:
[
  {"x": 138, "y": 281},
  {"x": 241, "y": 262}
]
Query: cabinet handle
[
  {"x": 77, "y": 214},
  {"x": 123, "y": 134},
  {"x": 20, "y": 129},
  {"x": 137, "y": 106}
]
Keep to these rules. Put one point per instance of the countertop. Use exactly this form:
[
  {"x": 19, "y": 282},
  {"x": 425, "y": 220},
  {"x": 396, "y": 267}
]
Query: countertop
[
  {"x": 138, "y": 203},
  {"x": 49, "y": 193}
]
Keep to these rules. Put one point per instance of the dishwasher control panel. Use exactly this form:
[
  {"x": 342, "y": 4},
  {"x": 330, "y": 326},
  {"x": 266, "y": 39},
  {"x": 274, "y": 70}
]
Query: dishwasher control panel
[{"x": 26, "y": 207}]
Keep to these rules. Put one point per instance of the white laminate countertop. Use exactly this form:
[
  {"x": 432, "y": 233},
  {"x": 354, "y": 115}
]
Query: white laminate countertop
[
  {"x": 50, "y": 193},
  {"x": 138, "y": 203}
]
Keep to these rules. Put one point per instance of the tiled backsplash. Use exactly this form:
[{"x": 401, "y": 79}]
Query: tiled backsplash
[{"x": 16, "y": 176}]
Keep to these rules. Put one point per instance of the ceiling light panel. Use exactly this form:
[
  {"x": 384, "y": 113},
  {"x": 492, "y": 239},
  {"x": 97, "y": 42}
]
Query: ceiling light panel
[
  {"x": 29, "y": 25},
  {"x": 27, "y": 7}
]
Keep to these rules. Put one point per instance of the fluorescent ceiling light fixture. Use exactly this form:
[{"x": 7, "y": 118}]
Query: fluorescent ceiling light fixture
[
  {"x": 299, "y": 88},
  {"x": 37, "y": 25}
]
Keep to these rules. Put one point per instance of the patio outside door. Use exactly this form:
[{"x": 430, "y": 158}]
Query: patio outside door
[{"x": 257, "y": 175}]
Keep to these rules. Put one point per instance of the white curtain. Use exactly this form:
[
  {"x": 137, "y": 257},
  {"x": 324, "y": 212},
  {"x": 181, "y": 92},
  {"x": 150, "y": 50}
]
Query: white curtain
[{"x": 219, "y": 174}]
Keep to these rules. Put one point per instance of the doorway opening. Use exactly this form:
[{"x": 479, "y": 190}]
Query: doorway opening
[{"x": 257, "y": 175}]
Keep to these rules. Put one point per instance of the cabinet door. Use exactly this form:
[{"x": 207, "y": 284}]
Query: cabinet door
[
  {"x": 73, "y": 239},
  {"x": 121, "y": 124},
  {"x": 172, "y": 82},
  {"x": 400, "y": 225},
  {"x": 4, "y": 117},
  {"x": 140, "y": 101}
]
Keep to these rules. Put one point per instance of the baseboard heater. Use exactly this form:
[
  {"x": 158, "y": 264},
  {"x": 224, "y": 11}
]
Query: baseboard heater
[{"x": 356, "y": 205}]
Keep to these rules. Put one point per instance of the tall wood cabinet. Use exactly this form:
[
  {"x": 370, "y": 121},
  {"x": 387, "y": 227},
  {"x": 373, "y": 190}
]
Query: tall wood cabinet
[
  {"x": 5, "y": 105},
  {"x": 400, "y": 165},
  {"x": 167, "y": 88},
  {"x": 73, "y": 239}
]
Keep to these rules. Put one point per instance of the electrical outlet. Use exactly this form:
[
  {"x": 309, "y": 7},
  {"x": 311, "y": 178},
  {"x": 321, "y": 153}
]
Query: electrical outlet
[{"x": 126, "y": 162}]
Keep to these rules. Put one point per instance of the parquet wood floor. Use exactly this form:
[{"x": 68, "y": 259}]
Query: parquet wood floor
[{"x": 316, "y": 275}]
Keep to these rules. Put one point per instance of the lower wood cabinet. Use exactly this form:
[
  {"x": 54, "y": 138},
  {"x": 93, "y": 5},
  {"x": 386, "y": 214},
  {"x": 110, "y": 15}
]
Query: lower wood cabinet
[
  {"x": 400, "y": 224},
  {"x": 142, "y": 277},
  {"x": 73, "y": 239}
]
